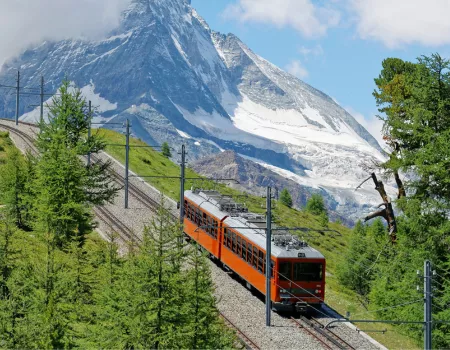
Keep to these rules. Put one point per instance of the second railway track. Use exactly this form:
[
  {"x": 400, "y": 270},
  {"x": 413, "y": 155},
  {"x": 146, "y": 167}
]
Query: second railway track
[{"x": 326, "y": 337}]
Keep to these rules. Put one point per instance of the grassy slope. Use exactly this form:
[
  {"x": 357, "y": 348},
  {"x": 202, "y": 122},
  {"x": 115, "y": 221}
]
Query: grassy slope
[{"x": 146, "y": 161}]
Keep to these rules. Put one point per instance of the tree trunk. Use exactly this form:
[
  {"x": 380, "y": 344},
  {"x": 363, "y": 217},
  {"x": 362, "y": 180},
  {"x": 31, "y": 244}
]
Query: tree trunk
[{"x": 388, "y": 212}]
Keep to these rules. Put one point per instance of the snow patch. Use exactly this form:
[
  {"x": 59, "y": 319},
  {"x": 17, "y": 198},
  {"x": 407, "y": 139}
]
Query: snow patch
[
  {"x": 99, "y": 103},
  {"x": 183, "y": 134}
]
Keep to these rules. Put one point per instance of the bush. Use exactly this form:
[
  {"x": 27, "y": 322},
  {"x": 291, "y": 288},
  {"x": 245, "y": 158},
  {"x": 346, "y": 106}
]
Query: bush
[{"x": 146, "y": 161}]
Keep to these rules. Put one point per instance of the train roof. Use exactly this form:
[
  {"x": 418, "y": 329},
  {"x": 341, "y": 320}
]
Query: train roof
[{"x": 251, "y": 225}]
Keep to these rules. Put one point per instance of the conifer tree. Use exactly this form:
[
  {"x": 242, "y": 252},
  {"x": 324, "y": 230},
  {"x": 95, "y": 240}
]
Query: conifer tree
[
  {"x": 13, "y": 187},
  {"x": 202, "y": 328},
  {"x": 165, "y": 149},
  {"x": 315, "y": 205},
  {"x": 147, "y": 300},
  {"x": 65, "y": 187},
  {"x": 285, "y": 198}
]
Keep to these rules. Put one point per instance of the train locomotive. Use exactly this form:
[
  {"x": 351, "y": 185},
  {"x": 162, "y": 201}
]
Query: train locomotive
[{"x": 237, "y": 239}]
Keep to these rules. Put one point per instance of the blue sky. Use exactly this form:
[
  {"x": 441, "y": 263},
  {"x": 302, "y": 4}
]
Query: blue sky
[{"x": 337, "y": 46}]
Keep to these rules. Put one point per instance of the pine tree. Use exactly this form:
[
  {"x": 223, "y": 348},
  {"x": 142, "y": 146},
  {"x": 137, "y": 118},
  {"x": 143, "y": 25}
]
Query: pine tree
[
  {"x": 65, "y": 187},
  {"x": 285, "y": 198},
  {"x": 203, "y": 328},
  {"x": 147, "y": 298},
  {"x": 13, "y": 187},
  {"x": 315, "y": 205},
  {"x": 165, "y": 149}
]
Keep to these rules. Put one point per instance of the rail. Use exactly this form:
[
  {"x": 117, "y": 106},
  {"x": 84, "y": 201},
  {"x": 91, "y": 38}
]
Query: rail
[
  {"x": 249, "y": 344},
  {"x": 324, "y": 336}
]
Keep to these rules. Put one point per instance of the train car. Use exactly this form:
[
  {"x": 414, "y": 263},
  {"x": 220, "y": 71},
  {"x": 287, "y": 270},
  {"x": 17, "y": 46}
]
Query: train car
[{"x": 298, "y": 271}]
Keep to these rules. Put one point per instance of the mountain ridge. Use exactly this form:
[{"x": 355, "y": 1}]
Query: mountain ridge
[{"x": 182, "y": 82}]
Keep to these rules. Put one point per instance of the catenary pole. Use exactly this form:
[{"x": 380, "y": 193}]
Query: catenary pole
[
  {"x": 127, "y": 160},
  {"x": 182, "y": 182},
  {"x": 17, "y": 97},
  {"x": 89, "y": 132},
  {"x": 42, "y": 100},
  {"x": 268, "y": 253},
  {"x": 427, "y": 302}
]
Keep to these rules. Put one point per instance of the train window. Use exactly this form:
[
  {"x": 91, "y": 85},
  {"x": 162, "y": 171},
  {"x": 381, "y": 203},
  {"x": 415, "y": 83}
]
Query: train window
[
  {"x": 185, "y": 208},
  {"x": 198, "y": 217},
  {"x": 205, "y": 221},
  {"x": 285, "y": 270},
  {"x": 225, "y": 235},
  {"x": 209, "y": 229},
  {"x": 215, "y": 229},
  {"x": 191, "y": 213},
  {"x": 249, "y": 253},
  {"x": 234, "y": 242},
  {"x": 255, "y": 257},
  {"x": 272, "y": 264},
  {"x": 229, "y": 239},
  {"x": 308, "y": 272},
  {"x": 244, "y": 250},
  {"x": 239, "y": 247},
  {"x": 260, "y": 260}
]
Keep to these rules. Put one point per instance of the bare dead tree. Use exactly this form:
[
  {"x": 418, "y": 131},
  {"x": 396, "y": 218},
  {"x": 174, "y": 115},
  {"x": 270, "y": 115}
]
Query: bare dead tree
[{"x": 387, "y": 212}]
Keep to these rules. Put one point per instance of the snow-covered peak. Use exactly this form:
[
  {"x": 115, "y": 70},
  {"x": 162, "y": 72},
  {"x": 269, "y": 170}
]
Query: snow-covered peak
[{"x": 212, "y": 87}]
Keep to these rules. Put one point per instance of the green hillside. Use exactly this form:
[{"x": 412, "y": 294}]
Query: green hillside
[{"x": 147, "y": 161}]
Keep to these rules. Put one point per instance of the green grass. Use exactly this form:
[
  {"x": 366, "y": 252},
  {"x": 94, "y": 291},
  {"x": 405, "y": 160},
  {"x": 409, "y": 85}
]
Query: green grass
[{"x": 146, "y": 161}]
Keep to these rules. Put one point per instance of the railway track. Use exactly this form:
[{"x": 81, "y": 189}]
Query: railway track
[
  {"x": 116, "y": 224},
  {"x": 247, "y": 342},
  {"x": 140, "y": 196},
  {"x": 326, "y": 337},
  {"x": 101, "y": 212},
  {"x": 29, "y": 141}
]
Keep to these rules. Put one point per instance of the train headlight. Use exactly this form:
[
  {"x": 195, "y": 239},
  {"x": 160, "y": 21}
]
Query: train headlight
[{"x": 318, "y": 291}]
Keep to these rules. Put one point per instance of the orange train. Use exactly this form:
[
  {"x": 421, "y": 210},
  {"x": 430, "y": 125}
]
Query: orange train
[{"x": 237, "y": 238}]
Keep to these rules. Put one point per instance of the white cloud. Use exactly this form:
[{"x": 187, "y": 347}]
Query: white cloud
[
  {"x": 27, "y": 22},
  {"x": 400, "y": 22},
  {"x": 302, "y": 15},
  {"x": 311, "y": 51},
  {"x": 372, "y": 124},
  {"x": 295, "y": 67}
]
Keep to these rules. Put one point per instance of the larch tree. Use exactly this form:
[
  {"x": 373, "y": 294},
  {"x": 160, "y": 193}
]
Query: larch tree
[
  {"x": 285, "y": 198},
  {"x": 165, "y": 149}
]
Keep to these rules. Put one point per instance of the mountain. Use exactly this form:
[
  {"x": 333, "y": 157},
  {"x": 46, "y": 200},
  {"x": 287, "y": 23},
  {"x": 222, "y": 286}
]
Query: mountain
[
  {"x": 180, "y": 81},
  {"x": 254, "y": 178}
]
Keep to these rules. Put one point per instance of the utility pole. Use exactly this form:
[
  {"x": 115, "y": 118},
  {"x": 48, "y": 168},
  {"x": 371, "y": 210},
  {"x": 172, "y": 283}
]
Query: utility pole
[
  {"x": 89, "y": 132},
  {"x": 127, "y": 160},
  {"x": 268, "y": 253},
  {"x": 42, "y": 100},
  {"x": 427, "y": 304},
  {"x": 182, "y": 181},
  {"x": 17, "y": 97}
]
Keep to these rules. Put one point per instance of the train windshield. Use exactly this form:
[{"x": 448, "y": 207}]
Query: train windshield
[{"x": 310, "y": 272}]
